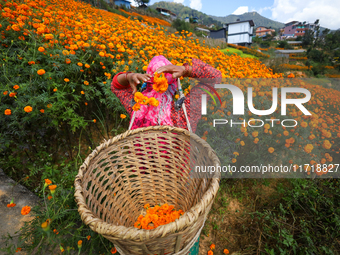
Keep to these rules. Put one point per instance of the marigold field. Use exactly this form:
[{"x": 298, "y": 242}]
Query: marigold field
[{"x": 57, "y": 62}]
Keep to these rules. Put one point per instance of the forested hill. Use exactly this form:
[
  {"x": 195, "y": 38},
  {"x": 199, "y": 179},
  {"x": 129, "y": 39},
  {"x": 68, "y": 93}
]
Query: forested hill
[
  {"x": 183, "y": 11},
  {"x": 257, "y": 18}
]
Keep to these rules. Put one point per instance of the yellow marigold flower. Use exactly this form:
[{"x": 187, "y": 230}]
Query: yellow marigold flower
[
  {"x": 28, "y": 109},
  {"x": 242, "y": 143},
  {"x": 145, "y": 68}
]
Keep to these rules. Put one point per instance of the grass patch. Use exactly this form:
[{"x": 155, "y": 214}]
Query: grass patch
[{"x": 229, "y": 51}]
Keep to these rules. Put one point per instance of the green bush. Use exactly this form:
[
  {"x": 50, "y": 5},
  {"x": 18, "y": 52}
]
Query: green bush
[{"x": 181, "y": 25}]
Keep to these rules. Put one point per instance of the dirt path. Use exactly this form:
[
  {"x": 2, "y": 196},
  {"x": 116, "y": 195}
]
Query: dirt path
[{"x": 11, "y": 219}]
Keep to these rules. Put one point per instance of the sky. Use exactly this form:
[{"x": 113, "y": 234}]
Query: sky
[{"x": 327, "y": 11}]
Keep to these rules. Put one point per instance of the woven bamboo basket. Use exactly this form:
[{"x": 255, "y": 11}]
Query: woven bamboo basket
[{"x": 147, "y": 165}]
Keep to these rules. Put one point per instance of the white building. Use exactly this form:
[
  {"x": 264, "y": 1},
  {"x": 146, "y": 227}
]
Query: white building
[{"x": 240, "y": 32}]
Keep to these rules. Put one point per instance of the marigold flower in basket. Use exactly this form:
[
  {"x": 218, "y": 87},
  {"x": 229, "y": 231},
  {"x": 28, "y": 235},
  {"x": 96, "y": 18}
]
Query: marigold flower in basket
[
  {"x": 160, "y": 83},
  {"x": 157, "y": 216},
  {"x": 25, "y": 210}
]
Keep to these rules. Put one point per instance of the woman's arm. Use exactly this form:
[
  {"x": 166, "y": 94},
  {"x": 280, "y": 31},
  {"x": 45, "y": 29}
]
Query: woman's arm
[{"x": 124, "y": 87}]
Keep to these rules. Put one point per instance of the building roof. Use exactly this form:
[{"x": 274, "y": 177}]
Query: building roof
[
  {"x": 202, "y": 29},
  {"x": 165, "y": 10},
  {"x": 251, "y": 22},
  {"x": 294, "y": 42},
  {"x": 123, "y": 1},
  {"x": 290, "y": 51},
  {"x": 218, "y": 30}
]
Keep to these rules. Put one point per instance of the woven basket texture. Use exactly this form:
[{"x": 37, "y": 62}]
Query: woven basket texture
[{"x": 151, "y": 165}]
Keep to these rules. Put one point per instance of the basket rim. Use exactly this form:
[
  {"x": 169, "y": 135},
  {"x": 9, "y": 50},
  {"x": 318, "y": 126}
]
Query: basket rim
[{"x": 132, "y": 233}]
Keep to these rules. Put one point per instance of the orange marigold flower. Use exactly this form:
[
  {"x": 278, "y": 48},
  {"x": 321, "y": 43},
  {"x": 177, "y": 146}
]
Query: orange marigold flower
[
  {"x": 41, "y": 49},
  {"x": 18, "y": 249},
  {"x": 212, "y": 247},
  {"x": 226, "y": 251},
  {"x": 45, "y": 226},
  {"x": 233, "y": 160},
  {"x": 16, "y": 87},
  {"x": 28, "y": 109},
  {"x": 41, "y": 71},
  {"x": 66, "y": 80},
  {"x": 68, "y": 61},
  {"x": 12, "y": 94},
  {"x": 160, "y": 83},
  {"x": 210, "y": 253},
  {"x": 86, "y": 82},
  {"x": 42, "y": 110},
  {"x": 52, "y": 188},
  {"x": 55, "y": 89},
  {"x": 88, "y": 237},
  {"x": 25, "y": 210},
  {"x": 5, "y": 93},
  {"x": 49, "y": 105},
  {"x": 153, "y": 101},
  {"x": 49, "y": 197},
  {"x": 79, "y": 64},
  {"x": 271, "y": 149},
  {"x": 80, "y": 243},
  {"x": 140, "y": 98},
  {"x": 11, "y": 204},
  {"x": 82, "y": 92},
  {"x": 94, "y": 120},
  {"x": 122, "y": 116},
  {"x": 87, "y": 65},
  {"x": 136, "y": 107},
  {"x": 113, "y": 250},
  {"x": 8, "y": 112},
  {"x": 48, "y": 182}
]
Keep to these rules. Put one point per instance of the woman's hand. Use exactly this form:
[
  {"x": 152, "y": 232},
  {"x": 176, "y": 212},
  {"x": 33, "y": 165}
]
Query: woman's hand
[
  {"x": 135, "y": 78},
  {"x": 176, "y": 71},
  {"x": 132, "y": 79}
]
